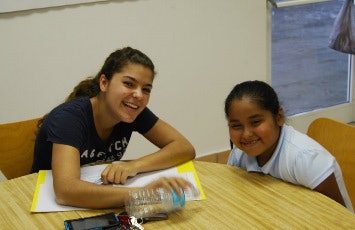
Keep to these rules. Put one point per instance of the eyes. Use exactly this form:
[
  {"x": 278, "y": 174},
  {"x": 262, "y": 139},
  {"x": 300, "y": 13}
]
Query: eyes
[
  {"x": 133, "y": 85},
  {"x": 237, "y": 125}
]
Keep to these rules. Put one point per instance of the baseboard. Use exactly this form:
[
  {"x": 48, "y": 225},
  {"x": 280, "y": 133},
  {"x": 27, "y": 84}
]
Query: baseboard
[{"x": 220, "y": 157}]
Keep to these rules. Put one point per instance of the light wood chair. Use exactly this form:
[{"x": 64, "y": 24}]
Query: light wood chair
[
  {"x": 17, "y": 147},
  {"x": 339, "y": 139}
]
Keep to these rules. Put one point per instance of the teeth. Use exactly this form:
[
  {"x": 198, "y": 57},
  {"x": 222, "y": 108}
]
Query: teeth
[
  {"x": 250, "y": 142},
  {"x": 131, "y": 105}
]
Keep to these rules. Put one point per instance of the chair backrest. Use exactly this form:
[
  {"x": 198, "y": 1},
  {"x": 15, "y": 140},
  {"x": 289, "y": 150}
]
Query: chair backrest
[
  {"x": 339, "y": 139},
  {"x": 17, "y": 147}
]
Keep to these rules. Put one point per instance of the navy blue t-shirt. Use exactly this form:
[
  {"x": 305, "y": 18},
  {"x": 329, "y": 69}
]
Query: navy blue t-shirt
[{"x": 72, "y": 123}]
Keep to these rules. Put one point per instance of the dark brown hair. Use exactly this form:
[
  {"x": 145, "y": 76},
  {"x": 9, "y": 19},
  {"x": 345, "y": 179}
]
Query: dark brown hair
[
  {"x": 114, "y": 63},
  {"x": 260, "y": 92}
]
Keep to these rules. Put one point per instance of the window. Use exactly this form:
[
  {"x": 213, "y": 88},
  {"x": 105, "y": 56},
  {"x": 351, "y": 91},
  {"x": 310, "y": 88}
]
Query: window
[{"x": 306, "y": 73}]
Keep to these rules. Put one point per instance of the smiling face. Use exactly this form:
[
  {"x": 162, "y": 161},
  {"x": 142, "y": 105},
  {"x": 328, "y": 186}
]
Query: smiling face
[
  {"x": 254, "y": 130},
  {"x": 127, "y": 93}
]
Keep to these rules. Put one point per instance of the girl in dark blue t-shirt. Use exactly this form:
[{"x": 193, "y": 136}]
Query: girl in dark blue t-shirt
[{"x": 95, "y": 125}]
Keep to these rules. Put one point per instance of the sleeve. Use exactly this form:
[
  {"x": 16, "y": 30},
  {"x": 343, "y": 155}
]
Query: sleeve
[
  {"x": 312, "y": 168},
  {"x": 145, "y": 121},
  {"x": 66, "y": 127}
]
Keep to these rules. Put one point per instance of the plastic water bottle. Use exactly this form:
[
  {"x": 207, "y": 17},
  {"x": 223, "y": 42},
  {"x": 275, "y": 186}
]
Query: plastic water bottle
[{"x": 148, "y": 202}]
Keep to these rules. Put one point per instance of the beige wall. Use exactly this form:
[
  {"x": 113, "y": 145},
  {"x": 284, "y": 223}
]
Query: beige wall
[{"x": 201, "y": 48}]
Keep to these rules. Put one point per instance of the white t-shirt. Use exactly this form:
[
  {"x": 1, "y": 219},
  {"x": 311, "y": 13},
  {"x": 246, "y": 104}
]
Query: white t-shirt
[{"x": 298, "y": 159}]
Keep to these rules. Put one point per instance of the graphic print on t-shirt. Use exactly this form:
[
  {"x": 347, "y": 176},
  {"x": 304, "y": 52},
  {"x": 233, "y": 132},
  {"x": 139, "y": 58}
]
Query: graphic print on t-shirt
[{"x": 114, "y": 152}]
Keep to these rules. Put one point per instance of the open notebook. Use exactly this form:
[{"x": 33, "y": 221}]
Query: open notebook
[{"x": 44, "y": 199}]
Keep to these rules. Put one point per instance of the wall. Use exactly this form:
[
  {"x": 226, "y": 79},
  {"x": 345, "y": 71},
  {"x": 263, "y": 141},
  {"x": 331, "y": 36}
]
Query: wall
[{"x": 201, "y": 50}]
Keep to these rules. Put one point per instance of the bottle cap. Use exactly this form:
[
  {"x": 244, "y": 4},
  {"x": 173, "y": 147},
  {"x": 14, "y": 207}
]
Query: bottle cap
[{"x": 178, "y": 201}]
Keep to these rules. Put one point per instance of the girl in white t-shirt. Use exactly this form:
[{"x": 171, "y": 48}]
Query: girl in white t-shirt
[{"x": 264, "y": 143}]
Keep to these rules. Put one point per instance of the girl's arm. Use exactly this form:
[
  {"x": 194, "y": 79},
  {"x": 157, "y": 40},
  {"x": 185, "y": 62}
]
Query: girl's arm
[
  {"x": 174, "y": 150},
  {"x": 70, "y": 190},
  {"x": 329, "y": 187}
]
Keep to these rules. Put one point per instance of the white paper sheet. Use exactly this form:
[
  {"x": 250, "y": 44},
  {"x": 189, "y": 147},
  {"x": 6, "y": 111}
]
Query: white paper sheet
[{"x": 44, "y": 198}]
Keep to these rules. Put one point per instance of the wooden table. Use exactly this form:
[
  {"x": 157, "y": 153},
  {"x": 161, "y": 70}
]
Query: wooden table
[{"x": 235, "y": 200}]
